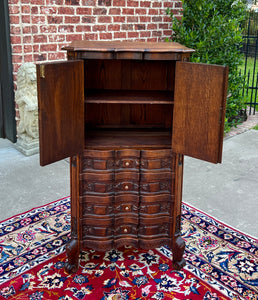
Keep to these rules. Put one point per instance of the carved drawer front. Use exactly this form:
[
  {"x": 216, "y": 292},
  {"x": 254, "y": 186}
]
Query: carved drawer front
[
  {"x": 127, "y": 182},
  {"x": 97, "y": 183},
  {"x": 97, "y": 231},
  {"x": 126, "y": 230},
  {"x": 126, "y": 204},
  {"x": 156, "y": 182},
  {"x": 96, "y": 227},
  {"x": 127, "y": 160},
  {"x": 156, "y": 205},
  {"x": 126, "y": 197},
  {"x": 157, "y": 159},
  {"x": 97, "y": 160},
  {"x": 96, "y": 205},
  {"x": 127, "y": 171},
  {"x": 126, "y": 226},
  {"x": 127, "y": 187},
  {"x": 98, "y": 221},
  {"x": 154, "y": 227}
]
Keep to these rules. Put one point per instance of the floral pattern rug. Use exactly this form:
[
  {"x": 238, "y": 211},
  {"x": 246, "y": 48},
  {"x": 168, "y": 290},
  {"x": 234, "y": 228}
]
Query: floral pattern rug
[{"x": 222, "y": 263}]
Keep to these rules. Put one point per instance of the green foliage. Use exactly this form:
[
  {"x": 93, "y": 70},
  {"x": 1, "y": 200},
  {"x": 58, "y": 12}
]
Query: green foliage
[
  {"x": 250, "y": 26},
  {"x": 213, "y": 29}
]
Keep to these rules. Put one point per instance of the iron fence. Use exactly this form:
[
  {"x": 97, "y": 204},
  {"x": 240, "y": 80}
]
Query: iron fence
[{"x": 250, "y": 50}]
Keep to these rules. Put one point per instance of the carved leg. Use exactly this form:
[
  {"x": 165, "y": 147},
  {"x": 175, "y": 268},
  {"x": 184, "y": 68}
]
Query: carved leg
[
  {"x": 72, "y": 252},
  {"x": 73, "y": 246},
  {"x": 178, "y": 248},
  {"x": 178, "y": 244}
]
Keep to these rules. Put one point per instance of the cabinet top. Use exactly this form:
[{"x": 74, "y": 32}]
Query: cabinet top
[
  {"x": 116, "y": 46},
  {"x": 118, "y": 49}
]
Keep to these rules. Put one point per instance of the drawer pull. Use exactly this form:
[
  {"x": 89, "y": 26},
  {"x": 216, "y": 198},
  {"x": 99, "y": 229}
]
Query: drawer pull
[
  {"x": 127, "y": 208},
  {"x": 126, "y": 187},
  {"x": 125, "y": 230},
  {"x": 127, "y": 164}
]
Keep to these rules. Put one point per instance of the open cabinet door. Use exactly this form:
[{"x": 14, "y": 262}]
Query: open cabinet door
[
  {"x": 61, "y": 110},
  {"x": 199, "y": 110}
]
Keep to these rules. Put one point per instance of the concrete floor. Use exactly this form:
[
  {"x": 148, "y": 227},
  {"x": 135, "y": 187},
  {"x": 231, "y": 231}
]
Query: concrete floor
[
  {"x": 227, "y": 191},
  {"x": 25, "y": 185}
]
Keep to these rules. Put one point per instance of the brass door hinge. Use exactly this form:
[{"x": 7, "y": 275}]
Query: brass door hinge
[
  {"x": 180, "y": 160},
  {"x": 42, "y": 71},
  {"x": 220, "y": 115},
  {"x": 74, "y": 161}
]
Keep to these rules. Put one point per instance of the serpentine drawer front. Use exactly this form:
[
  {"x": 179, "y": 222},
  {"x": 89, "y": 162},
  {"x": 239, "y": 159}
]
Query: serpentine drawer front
[{"x": 126, "y": 197}]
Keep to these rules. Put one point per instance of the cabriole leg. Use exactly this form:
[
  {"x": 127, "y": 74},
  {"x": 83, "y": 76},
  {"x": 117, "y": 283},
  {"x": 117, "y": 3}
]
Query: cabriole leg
[
  {"x": 72, "y": 252},
  {"x": 178, "y": 248}
]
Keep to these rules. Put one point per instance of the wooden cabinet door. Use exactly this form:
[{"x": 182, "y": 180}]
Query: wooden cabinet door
[
  {"x": 199, "y": 110},
  {"x": 61, "y": 110}
]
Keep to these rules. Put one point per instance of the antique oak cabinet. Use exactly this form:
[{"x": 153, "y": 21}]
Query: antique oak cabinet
[{"x": 126, "y": 113}]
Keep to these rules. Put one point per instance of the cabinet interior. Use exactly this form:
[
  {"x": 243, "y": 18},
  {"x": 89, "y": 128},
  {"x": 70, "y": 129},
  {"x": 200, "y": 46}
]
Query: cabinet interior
[{"x": 131, "y": 102}]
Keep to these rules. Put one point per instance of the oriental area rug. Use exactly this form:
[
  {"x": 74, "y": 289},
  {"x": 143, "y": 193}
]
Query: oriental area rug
[{"x": 221, "y": 262}]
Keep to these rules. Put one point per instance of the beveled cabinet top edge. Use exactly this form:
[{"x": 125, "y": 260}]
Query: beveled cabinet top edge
[{"x": 127, "y": 46}]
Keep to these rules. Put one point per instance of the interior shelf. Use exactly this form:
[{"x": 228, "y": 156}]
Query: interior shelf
[
  {"x": 128, "y": 96},
  {"x": 128, "y": 138}
]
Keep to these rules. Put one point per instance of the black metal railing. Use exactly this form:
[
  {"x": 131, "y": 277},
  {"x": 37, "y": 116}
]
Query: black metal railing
[{"x": 250, "y": 50}]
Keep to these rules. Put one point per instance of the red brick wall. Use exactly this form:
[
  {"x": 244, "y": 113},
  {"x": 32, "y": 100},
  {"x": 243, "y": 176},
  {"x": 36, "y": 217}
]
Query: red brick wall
[{"x": 39, "y": 28}]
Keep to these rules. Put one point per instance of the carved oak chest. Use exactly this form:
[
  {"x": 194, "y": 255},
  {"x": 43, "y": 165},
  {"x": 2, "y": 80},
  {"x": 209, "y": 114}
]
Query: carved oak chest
[{"x": 126, "y": 113}]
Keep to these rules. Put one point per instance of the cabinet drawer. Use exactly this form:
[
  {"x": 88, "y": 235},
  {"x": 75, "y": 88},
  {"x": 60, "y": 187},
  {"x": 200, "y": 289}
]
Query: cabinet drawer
[
  {"x": 97, "y": 227},
  {"x": 156, "y": 182},
  {"x": 127, "y": 182},
  {"x": 157, "y": 159},
  {"x": 126, "y": 204},
  {"x": 154, "y": 226},
  {"x": 97, "y": 209},
  {"x": 96, "y": 205},
  {"x": 96, "y": 231},
  {"x": 151, "y": 176},
  {"x": 124, "y": 208},
  {"x": 88, "y": 187},
  {"x": 126, "y": 225},
  {"x": 156, "y": 187},
  {"x": 154, "y": 230},
  {"x": 155, "y": 208},
  {"x": 127, "y": 159},
  {"x": 97, "y": 176},
  {"x": 156, "y": 204},
  {"x": 96, "y": 183},
  {"x": 124, "y": 176},
  {"x": 97, "y": 160},
  {"x": 127, "y": 187},
  {"x": 126, "y": 229}
]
